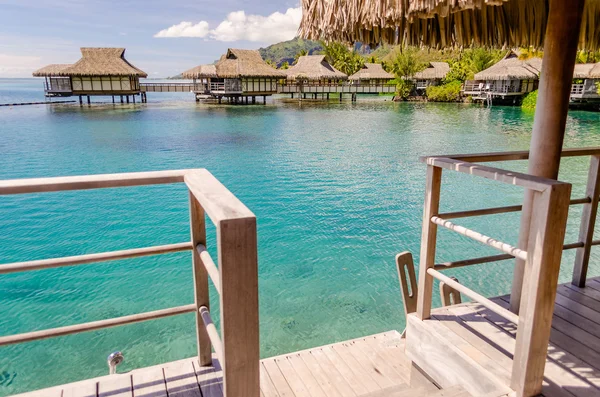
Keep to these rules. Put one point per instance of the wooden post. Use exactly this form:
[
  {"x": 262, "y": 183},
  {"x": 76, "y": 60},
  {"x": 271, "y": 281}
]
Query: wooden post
[
  {"x": 292, "y": 95},
  {"x": 560, "y": 49},
  {"x": 127, "y": 98},
  {"x": 253, "y": 100},
  {"x": 80, "y": 101},
  {"x": 113, "y": 99},
  {"x": 428, "y": 241},
  {"x": 238, "y": 270},
  {"x": 89, "y": 101},
  {"x": 201, "y": 298},
  {"x": 264, "y": 99},
  {"x": 340, "y": 97},
  {"x": 133, "y": 98},
  {"x": 121, "y": 98},
  {"x": 547, "y": 232},
  {"x": 588, "y": 221}
]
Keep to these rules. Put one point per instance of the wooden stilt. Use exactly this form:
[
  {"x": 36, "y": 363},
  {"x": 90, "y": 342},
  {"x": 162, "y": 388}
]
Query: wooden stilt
[
  {"x": 292, "y": 95},
  {"x": 80, "y": 100},
  {"x": 562, "y": 34},
  {"x": 341, "y": 97},
  {"x": 219, "y": 100},
  {"x": 133, "y": 98},
  {"x": 264, "y": 99},
  {"x": 127, "y": 97},
  {"x": 113, "y": 99},
  {"x": 253, "y": 99},
  {"x": 89, "y": 100},
  {"x": 327, "y": 96},
  {"x": 121, "y": 98},
  {"x": 305, "y": 95}
]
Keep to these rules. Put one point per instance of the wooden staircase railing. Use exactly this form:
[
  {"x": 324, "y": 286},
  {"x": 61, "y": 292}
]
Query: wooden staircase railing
[{"x": 236, "y": 278}]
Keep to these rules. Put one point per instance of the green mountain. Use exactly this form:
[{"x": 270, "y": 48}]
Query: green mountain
[{"x": 287, "y": 50}]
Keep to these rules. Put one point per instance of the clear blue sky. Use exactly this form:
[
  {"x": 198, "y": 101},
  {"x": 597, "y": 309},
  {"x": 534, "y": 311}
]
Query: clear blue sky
[{"x": 162, "y": 37}]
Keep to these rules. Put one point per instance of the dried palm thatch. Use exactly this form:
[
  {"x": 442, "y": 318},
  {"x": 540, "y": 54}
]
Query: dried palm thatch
[
  {"x": 314, "y": 67},
  {"x": 512, "y": 68},
  {"x": 98, "y": 62},
  {"x": 439, "y": 23},
  {"x": 434, "y": 71},
  {"x": 51, "y": 70},
  {"x": 245, "y": 63},
  {"x": 371, "y": 71},
  {"x": 200, "y": 71},
  {"x": 582, "y": 70}
]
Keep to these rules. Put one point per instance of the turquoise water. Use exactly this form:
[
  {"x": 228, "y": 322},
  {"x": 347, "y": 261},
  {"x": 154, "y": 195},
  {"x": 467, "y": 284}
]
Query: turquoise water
[{"x": 337, "y": 190}]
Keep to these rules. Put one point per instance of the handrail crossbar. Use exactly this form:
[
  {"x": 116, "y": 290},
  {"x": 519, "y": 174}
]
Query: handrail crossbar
[
  {"x": 511, "y": 156},
  {"x": 213, "y": 334},
  {"x": 489, "y": 241},
  {"x": 95, "y": 325},
  {"x": 507, "y": 314},
  {"x": 93, "y": 258},
  {"x": 210, "y": 266}
]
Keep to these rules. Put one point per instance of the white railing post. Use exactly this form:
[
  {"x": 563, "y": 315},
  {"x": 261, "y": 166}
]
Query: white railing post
[
  {"x": 201, "y": 297},
  {"x": 544, "y": 251},
  {"x": 588, "y": 222},
  {"x": 428, "y": 241}
]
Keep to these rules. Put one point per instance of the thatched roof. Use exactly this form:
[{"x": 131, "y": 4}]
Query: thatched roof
[
  {"x": 511, "y": 67},
  {"x": 587, "y": 71},
  {"x": 97, "y": 62},
  {"x": 244, "y": 63},
  {"x": 435, "y": 70},
  {"x": 200, "y": 71},
  {"x": 371, "y": 71},
  {"x": 433, "y": 23},
  {"x": 314, "y": 67},
  {"x": 51, "y": 70}
]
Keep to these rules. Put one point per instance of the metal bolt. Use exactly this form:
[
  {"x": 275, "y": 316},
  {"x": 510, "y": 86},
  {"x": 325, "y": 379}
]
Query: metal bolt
[{"x": 113, "y": 360}]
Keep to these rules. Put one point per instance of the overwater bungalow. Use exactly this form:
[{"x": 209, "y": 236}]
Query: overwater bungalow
[
  {"x": 99, "y": 72},
  {"x": 506, "y": 81},
  {"x": 371, "y": 74},
  {"x": 313, "y": 75},
  {"x": 585, "y": 83},
  {"x": 433, "y": 74},
  {"x": 203, "y": 76},
  {"x": 243, "y": 74}
]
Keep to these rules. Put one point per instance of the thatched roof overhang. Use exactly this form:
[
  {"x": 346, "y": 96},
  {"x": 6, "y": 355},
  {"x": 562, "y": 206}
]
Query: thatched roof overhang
[
  {"x": 434, "y": 71},
  {"x": 314, "y": 67},
  {"x": 51, "y": 70},
  {"x": 439, "y": 23},
  {"x": 200, "y": 71},
  {"x": 245, "y": 63},
  {"x": 97, "y": 62},
  {"x": 371, "y": 71},
  {"x": 512, "y": 68}
]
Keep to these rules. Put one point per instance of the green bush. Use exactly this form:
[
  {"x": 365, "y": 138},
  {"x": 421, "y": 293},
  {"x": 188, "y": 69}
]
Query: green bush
[
  {"x": 403, "y": 89},
  {"x": 449, "y": 92},
  {"x": 530, "y": 100}
]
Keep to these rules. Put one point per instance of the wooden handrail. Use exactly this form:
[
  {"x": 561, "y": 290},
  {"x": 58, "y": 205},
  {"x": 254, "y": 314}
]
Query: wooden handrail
[
  {"x": 56, "y": 184},
  {"x": 512, "y": 156},
  {"x": 507, "y": 314},
  {"x": 499, "y": 245},
  {"x": 210, "y": 266},
  {"x": 92, "y": 258},
  {"x": 213, "y": 334},
  {"x": 94, "y": 325}
]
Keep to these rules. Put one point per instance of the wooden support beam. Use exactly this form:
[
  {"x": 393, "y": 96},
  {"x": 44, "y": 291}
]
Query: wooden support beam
[
  {"x": 238, "y": 271},
  {"x": 588, "y": 222},
  {"x": 428, "y": 241},
  {"x": 546, "y": 236},
  {"x": 201, "y": 298},
  {"x": 560, "y": 49}
]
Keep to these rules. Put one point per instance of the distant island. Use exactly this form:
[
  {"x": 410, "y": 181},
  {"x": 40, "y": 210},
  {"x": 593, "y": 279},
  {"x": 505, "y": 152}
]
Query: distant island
[{"x": 286, "y": 51}]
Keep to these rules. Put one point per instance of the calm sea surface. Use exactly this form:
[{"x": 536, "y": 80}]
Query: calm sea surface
[{"x": 337, "y": 190}]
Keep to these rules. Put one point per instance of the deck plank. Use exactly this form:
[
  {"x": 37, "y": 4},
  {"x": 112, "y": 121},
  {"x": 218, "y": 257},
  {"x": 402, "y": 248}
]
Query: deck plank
[
  {"x": 578, "y": 308},
  {"x": 392, "y": 353},
  {"x": 330, "y": 380},
  {"x": 379, "y": 363},
  {"x": 210, "y": 379},
  {"x": 149, "y": 382},
  {"x": 314, "y": 389},
  {"x": 267, "y": 388},
  {"x": 579, "y": 297},
  {"x": 181, "y": 379},
  {"x": 332, "y": 363},
  {"x": 362, "y": 374},
  {"x": 81, "y": 389},
  {"x": 119, "y": 385},
  {"x": 277, "y": 377},
  {"x": 292, "y": 378}
]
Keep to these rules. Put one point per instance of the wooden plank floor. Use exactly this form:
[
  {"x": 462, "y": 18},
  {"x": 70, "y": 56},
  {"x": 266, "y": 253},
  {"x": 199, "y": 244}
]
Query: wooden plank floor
[
  {"x": 370, "y": 366},
  {"x": 573, "y": 364}
]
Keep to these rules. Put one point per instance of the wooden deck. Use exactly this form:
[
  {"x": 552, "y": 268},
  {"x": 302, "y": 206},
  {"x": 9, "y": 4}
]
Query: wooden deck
[
  {"x": 485, "y": 343},
  {"x": 373, "y": 366}
]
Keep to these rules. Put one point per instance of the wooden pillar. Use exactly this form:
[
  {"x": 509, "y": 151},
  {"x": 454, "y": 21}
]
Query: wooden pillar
[
  {"x": 80, "y": 100},
  {"x": 304, "y": 95},
  {"x": 113, "y": 99},
  {"x": 253, "y": 99},
  {"x": 544, "y": 251},
  {"x": 428, "y": 241},
  {"x": 121, "y": 98},
  {"x": 201, "y": 298},
  {"x": 588, "y": 221},
  {"x": 560, "y": 49},
  {"x": 127, "y": 98},
  {"x": 238, "y": 272},
  {"x": 219, "y": 100},
  {"x": 264, "y": 99},
  {"x": 89, "y": 101},
  {"x": 133, "y": 98},
  {"x": 327, "y": 96},
  {"x": 341, "y": 97},
  {"x": 292, "y": 95}
]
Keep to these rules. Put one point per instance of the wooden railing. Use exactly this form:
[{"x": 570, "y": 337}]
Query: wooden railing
[
  {"x": 235, "y": 279},
  {"x": 577, "y": 88},
  {"x": 542, "y": 253}
]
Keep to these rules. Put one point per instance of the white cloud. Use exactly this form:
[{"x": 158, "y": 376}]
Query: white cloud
[
  {"x": 241, "y": 26},
  {"x": 18, "y": 65},
  {"x": 185, "y": 29}
]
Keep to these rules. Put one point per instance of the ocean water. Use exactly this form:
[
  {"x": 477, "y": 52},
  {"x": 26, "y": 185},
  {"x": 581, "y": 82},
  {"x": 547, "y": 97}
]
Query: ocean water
[{"x": 337, "y": 190}]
